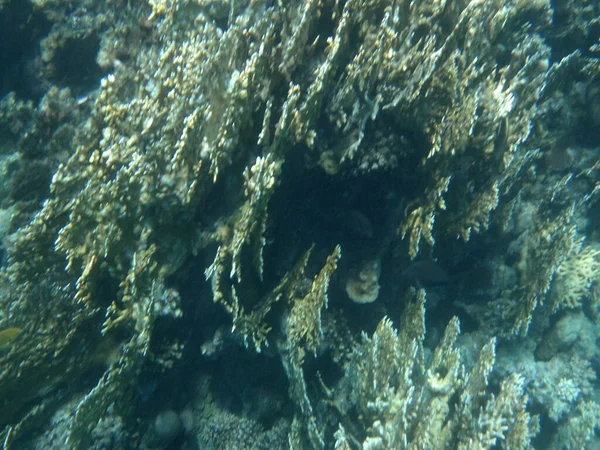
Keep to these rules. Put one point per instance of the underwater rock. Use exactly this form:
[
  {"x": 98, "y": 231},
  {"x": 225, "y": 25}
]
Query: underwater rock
[
  {"x": 362, "y": 283},
  {"x": 167, "y": 426},
  {"x": 328, "y": 162},
  {"x": 188, "y": 421},
  {"x": 560, "y": 337}
]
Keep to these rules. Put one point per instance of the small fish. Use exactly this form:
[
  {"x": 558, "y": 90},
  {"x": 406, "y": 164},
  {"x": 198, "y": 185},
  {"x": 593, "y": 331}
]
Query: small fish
[
  {"x": 426, "y": 273},
  {"x": 8, "y": 335},
  {"x": 355, "y": 223}
]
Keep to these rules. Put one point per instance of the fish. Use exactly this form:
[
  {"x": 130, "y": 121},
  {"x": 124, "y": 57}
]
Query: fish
[
  {"x": 8, "y": 335},
  {"x": 354, "y": 223},
  {"x": 426, "y": 273}
]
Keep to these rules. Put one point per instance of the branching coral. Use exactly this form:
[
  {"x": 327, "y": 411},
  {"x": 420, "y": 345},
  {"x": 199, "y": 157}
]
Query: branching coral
[
  {"x": 458, "y": 94},
  {"x": 303, "y": 325},
  {"x": 163, "y": 126},
  {"x": 304, "y": 320},
  {"x": 574, "y": 277},
  {"x": 544, "y": 249},
  {"x": 405, "y": 400},
  {"x": 419, "y": 222}
]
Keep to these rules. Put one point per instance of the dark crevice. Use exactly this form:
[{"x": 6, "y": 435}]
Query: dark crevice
[{"x": 20, "y": 31}]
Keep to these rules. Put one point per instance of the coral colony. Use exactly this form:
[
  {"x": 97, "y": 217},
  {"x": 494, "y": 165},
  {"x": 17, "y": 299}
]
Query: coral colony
[{"x": 303, "y": 224}]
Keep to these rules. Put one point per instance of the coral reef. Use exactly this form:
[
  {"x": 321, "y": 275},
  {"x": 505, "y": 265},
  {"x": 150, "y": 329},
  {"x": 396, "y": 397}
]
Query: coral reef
[{"x": 196, "y": 187}]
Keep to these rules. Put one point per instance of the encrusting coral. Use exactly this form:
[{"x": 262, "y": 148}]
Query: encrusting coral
[{"x": 362, "y": 285}]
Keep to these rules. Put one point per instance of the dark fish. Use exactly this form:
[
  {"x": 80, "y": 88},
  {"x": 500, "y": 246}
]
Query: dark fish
[
  {"x": 426, "y": 273},
  {"x": 355, "y": 223}
]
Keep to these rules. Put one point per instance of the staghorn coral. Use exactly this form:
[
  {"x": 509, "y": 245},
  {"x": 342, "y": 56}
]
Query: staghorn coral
[
  {"x": 250, "y": 227},
  {"x": 486, "y": 107},
  {"x": 419, "y": 222}
]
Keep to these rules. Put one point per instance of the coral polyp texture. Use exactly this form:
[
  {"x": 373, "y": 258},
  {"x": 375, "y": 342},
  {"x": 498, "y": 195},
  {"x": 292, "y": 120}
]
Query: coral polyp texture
[{"x": 230, "y": 213}]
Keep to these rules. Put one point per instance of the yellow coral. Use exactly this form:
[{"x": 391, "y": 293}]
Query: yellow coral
[
  {"x": 574, "y": 278},
  {"x": 304, "y": 321}
]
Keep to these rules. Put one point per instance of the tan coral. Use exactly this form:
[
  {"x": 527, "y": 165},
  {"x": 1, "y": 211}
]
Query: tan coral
[
  {"x": 328, "y": 163},
  {"x": 574, "y": 278},
  {"x": 362, "y": 285}
]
